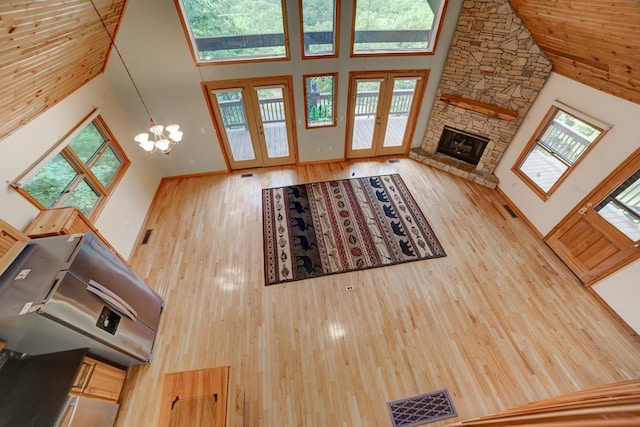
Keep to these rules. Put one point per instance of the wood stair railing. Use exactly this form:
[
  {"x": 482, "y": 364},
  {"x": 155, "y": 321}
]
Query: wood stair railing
[{"x": 610, "y": 405}]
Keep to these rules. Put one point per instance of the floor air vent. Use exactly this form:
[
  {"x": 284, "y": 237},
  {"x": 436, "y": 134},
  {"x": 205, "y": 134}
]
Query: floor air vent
[
  {"x": 510, "y": 211},
  {"x": 394, "y": 161},
  {"x": 246, "y": 175},
  {"x": 147, "y": 235}
]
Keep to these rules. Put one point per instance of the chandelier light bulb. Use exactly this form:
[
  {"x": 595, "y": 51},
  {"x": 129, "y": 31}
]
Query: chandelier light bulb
[
  {"x": 142, "y": 138},
  {"x": 176, "y": 136},
  {"x": 172, "y": 128},
  {"x": 147, "y": 145},
  {"x": 163, "y": 144}
]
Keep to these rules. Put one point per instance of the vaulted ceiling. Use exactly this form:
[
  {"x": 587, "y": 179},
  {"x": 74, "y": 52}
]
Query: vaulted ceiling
[
  {"x": 50, "y": 48},
  {"x": 595, "y": 42}
]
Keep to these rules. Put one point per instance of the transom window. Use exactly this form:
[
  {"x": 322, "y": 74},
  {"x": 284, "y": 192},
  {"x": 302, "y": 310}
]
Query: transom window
[
  {"x": 319, "y": 27},
  {"x": 235, "y": 30},
  {"x": 399, "y": 26},
  {"x": 81, "y": 170},
  {"x": 560, "y": 142}
]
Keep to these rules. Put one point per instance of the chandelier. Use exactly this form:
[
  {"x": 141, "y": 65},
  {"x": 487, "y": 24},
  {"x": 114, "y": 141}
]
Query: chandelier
[{"x": 160, "y": 138}]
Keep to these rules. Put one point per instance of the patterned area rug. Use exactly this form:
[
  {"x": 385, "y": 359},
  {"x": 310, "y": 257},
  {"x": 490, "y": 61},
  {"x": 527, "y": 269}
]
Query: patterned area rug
[
  {"x": 422, "y": 409},
  {"x": 330, "y": 227}
]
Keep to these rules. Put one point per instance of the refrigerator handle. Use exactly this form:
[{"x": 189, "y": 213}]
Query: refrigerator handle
[
  {"x": 113, "y": 299},
  {"x": 68, "y": 414}
]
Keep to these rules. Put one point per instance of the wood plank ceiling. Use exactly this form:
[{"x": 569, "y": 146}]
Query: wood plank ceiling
[
  {"x": 595, "y": 42},
  {"x": 48, "y": 49}
]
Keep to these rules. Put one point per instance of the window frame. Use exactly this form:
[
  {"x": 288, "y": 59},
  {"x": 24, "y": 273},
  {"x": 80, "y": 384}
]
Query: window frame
[
  {"x": 244, "y": 60},
  {"x": 333, "y": 99},
  {"x": 83, "y": 170},
  {"x": 534, "y": 142},
  {"x": 430, "y": 50},
  {"x": 336, "y": 32}
]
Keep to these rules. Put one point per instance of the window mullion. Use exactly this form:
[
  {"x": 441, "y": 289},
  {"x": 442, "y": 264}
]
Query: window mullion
[
  {"x": 96, "y": 184},
  {"x": 553, "y": 153},
  {"x": 67, "y": 191},
  {"x": 83, "y": 171},
  {"x": 73, "y": 160},
  {"x": 92, "y": 161}
]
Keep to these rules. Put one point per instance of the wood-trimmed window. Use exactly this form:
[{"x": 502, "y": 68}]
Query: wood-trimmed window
[
  {"x": 561, "y": 141},
  {"x": 398, "y": 27},
  {"x": 81, "y": 170},
  {"x": 227, "y": 31},
  {"x": 319, "y": 24},
  {"x": 320, "y": 99}
]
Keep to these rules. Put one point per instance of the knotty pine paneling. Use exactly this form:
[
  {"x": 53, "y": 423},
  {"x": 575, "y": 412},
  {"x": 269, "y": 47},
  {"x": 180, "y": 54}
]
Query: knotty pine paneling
[
  {"x": 48, "y": 49},
  {"x": 595, "y": 42}
]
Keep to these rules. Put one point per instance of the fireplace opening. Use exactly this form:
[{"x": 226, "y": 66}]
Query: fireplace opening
[{"x": 462, "y": 145}]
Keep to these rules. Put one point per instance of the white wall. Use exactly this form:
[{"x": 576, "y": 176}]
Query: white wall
[
  {"x": 124, "y": 213},
  {"x": 622, "y": 289},
  {"x": 156, "y": 51}
]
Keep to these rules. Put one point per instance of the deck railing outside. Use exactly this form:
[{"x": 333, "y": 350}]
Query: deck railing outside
[
  {"x": 564, "y": 141},
  {"x": 314, "y": 41},
  {"x": 272, "y": 109}
]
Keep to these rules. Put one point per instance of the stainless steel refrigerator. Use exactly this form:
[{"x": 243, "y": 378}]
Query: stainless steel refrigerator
[{"x": 72, "y": 291}]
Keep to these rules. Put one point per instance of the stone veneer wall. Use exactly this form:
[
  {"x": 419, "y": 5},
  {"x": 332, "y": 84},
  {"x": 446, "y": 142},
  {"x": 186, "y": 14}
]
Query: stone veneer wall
[{"x": 495, "y": 60}]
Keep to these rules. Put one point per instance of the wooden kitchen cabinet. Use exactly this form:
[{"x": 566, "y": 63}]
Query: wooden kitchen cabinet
[
  {"x": 99, "y": 379},
  {"x": 12, "y": 241},
  {"x": 58, "y": 221}
]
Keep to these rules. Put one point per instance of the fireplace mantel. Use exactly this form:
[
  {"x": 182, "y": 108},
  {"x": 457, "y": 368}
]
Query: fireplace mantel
[{"x": 480, "y": 107}]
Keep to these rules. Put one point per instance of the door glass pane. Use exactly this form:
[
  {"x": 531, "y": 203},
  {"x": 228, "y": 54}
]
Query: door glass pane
[
  {"x": 621, "y": 208},
  {"x": 274, "y": 125},
  {"x": 83, "y": 196},
  {"x": 233, "y": 114},
  {"x": 106, "y": 166},
  {"x": 403, "y": 90},
  {"x": 51, "y": 181},
  {"x": 87, "y": 142},
  {"x": 364, "y": 117}
]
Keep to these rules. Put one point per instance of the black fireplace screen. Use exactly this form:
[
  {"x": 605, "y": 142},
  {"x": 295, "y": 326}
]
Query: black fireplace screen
[{"x": 462, "y": 145}]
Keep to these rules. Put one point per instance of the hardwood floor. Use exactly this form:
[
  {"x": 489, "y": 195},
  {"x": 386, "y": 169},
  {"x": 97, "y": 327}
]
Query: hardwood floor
[{"x": 499, "y": 322}]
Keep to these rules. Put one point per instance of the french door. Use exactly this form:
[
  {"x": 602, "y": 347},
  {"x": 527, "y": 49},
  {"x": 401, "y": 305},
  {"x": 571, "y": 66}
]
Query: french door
[
  {"x": 383, "y": 108},
  {"x": 254, "y": 120},
  {"x": 602, "y": 234}
]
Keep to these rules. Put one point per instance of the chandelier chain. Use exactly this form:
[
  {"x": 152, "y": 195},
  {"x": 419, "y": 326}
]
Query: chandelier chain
[{"x": 113, "y": 43}]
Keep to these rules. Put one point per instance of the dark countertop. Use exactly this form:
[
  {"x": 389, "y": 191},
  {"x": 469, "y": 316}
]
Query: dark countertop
[{"x": 34, "y": 389}]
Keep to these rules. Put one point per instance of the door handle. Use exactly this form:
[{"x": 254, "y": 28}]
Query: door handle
[{"x": 584, "y": 209}]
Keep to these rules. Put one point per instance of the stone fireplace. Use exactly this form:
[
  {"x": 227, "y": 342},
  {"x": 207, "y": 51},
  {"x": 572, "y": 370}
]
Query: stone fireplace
[{"x": 493, "y": 73}]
